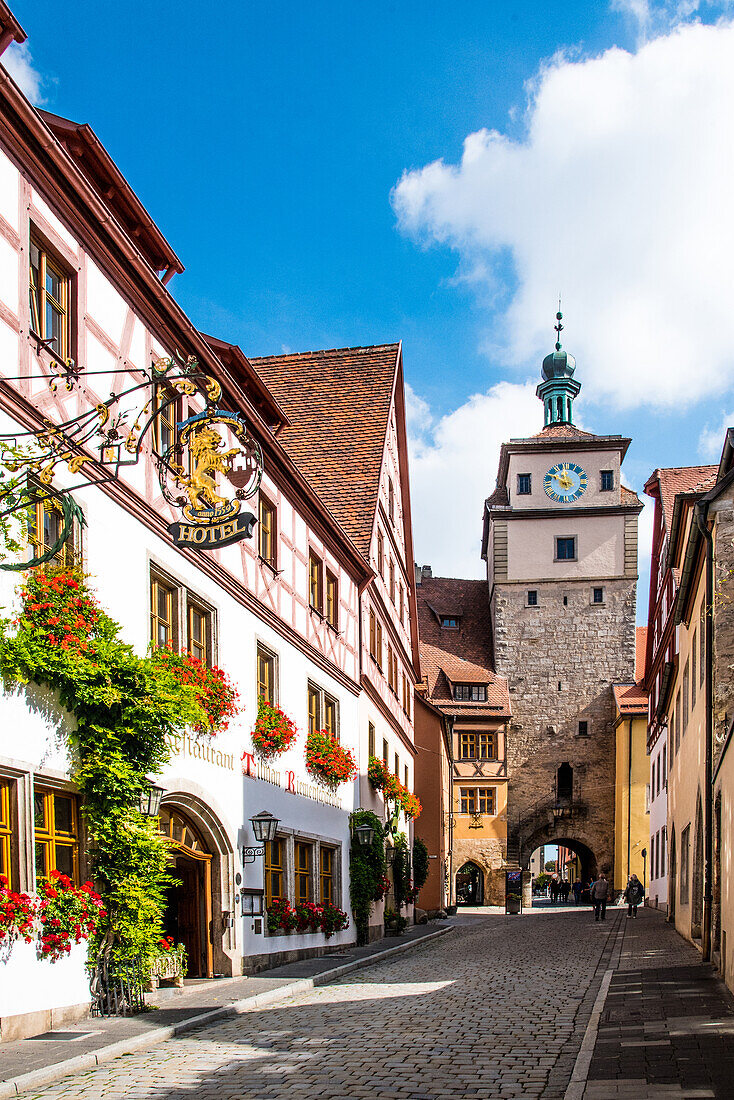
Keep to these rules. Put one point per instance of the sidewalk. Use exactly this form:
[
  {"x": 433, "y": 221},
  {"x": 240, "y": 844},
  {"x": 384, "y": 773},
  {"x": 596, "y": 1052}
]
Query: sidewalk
[
  {"x": 30, "y": 1063},
  {"x": 667, "y": 1025}
]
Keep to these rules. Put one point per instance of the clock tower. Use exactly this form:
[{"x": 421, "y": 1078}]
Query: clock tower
[{"x": 560, "y": 543}]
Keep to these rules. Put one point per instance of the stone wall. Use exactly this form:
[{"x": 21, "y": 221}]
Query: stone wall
[
  {"x": 489, "y": 854},
  {"x": 560, "y": 660}
]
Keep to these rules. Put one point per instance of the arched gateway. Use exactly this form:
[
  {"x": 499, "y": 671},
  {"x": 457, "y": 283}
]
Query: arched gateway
[{"x": 470, "y": 885}]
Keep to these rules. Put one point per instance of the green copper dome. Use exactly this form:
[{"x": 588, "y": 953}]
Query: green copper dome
[
  {"x": 559, "y": 387},
  {"x": 559, "y": 364}
]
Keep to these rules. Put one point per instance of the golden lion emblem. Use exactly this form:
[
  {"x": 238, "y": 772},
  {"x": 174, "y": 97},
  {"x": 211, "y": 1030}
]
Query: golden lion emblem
[{"x": 201, "y": 483}]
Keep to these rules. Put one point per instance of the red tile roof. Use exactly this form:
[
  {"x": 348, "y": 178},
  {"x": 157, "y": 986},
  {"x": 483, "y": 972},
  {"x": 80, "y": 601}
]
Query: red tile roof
[
  {"x": 459, "y": 656},
  {"x": 562, "y": 431},
  {"x": 630, "y": 699},
  {"x": 338, "y": 402},
  {"x": 628, "y": 496},
  {"x": 640, "y": 651},
  {"x": 681, "y": 479}
]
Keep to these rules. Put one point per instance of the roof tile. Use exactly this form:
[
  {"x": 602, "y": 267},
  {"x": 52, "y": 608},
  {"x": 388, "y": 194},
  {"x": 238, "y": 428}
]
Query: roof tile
[{"x": 338, "y": 402}]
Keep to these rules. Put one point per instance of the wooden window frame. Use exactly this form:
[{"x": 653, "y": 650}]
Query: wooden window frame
[
  {"x": 468, "y": 745},
  {"x": 265, "y": 657},
  {"x": 606, "y": 475},
  {"x": 157, "y": 583},
  {"x": 70, "y": 554},
  {"x": 396, "y": 768},
  {"x": 51, "y": 838},
  {"x": 391, "y": 500},
  {"x": 315, "y": 582},
  {"x": 332, "y": 600},
  {"x": 38, "y": 297},
  {"x": 380, "y": 553},
  {"x": 461, "y": 690},
  {"x": 488, "y": 797},
  {"x": 193, "y": 607},
  {"x": 371, "y": 745},
  {"x": 271, "y": 868},
  {"x": 392, "y": 581},
  {"x": 566, "y": 538},
  {"x": 327, "y": 890},
  {"x": 302, "y": 872},
  {"x": 385, "y": 751},
  {"x": 489, "y": 737},
  {"x": 7, "y": 832},
  {"x": 167, "y": 414},
  {"x": 378, "y": 645},
  {"x": 267, "y": 533},
  {"x": 522, "y": 492},
  {"x": 467, "y": 800},
  {"x": 326, "y": 705}
]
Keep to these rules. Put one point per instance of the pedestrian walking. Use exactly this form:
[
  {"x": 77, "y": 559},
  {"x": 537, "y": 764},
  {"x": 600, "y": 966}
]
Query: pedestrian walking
[
  {"x": 633, "y": 895},
  {"x": 577, "y": 891},
  {"x": 565, "y": 891},
  {"x": 599, "y": 894}
]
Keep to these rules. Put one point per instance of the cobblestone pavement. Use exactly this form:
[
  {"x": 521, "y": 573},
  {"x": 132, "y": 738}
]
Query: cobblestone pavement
[
  {"x": 496, "y": 1009},
  {"x": 667, "y": 1027}
]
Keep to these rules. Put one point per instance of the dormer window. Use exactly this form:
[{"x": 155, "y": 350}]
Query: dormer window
[
  {"x": 449, "y": 622},
  {"x": 470, "y": 693}
]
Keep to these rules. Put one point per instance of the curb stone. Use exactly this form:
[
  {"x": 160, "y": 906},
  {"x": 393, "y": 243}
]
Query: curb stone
[{"x": 38, "y": 1078}]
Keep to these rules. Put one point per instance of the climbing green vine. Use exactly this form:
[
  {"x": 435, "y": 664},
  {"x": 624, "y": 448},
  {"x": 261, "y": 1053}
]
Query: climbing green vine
[
  {"x": 367, "y": 871},
  {"x": 124, "y": 707}
]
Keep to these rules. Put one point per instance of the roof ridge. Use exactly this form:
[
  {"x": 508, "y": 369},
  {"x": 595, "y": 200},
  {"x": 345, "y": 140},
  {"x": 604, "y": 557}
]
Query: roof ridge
[{"x": 322, "y": 351}]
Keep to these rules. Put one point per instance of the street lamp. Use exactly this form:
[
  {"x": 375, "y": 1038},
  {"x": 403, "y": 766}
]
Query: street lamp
[
  {"x": 644, "y": 869},
  {"x": 150, "y": 800},
  {"x": 264, "y": 826},
  {"x": 363, "y": 834},
  {"x": 558, "y": 812}
]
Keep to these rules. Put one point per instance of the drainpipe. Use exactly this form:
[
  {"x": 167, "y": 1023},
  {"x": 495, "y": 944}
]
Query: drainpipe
[
  {"x": 701, "y": 516},
  {"x": 629, "y": 803}
]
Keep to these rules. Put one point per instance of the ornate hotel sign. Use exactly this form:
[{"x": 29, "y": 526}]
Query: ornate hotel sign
[
  {"x": 207, "y": 464},
  {"x": 211, "y": 519}
]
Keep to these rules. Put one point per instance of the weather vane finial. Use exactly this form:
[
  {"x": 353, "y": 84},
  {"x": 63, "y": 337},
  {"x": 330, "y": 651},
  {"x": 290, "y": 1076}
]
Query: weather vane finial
[{"x": 558, "y": 326}]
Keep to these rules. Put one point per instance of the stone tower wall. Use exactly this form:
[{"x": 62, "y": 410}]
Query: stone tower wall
[{"x": 586, "y": 648}]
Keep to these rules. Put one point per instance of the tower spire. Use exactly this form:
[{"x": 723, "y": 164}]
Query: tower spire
[{"x": 559, "y": 387}]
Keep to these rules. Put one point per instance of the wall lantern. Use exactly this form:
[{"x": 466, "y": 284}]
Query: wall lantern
[
  {"x": 150, "y": 800},
  {"x": 264, "y": 826},
  {"x": 389, "y": 851},
  {"x": 363, "y": 834},
  {"x": 558, "y": 812}
]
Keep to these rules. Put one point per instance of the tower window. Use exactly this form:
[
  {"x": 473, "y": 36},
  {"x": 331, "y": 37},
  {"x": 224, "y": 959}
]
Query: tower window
[
  {"x": 524, "y": 484},
  {"x": 566, "y": 549},
  {"x": 583, "y": 729},
  {"x": 565, "y": 601},
  {"x": 607, "y": 481},
  {"x": 597, "y": 595},
  {"x": 533, "y": 597}
]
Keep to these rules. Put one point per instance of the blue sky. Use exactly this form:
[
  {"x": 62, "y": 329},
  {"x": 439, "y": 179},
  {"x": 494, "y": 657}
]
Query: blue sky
[{"x": 267, "y": 141}]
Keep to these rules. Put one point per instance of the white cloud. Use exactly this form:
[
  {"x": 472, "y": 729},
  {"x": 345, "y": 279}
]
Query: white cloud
[
  {"x": 619, "y": 196},
  {"x": 19, "y": 63},
  {"x": 653, "y": 17},
  {"x": 453, "y": 468},
  {"x": 711, "y": 439}
]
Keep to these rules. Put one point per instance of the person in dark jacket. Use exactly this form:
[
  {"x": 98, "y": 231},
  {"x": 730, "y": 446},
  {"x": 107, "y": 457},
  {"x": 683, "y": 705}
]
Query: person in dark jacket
[
  {"x": 577, "y": 890},
  {"x": 599, "y": 894},
  {"x": 633, "y": 895}
]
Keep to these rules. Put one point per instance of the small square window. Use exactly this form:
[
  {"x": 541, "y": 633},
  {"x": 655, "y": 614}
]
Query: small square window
[
  {"x": 533, "y": 597},
  {"x": 607, "y": 481},
  {"x": 448, "y": 622},
  {"x": 524, "y": 485},
  {"x": 566, "y": 549},
  {"x": 597, "y": 595},
  {"x": 583, "y": 729}
]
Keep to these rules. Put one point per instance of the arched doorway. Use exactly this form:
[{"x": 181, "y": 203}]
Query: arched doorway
[
  {"x": 470, "y": 885},
  {"x": 188, "y": 913}
]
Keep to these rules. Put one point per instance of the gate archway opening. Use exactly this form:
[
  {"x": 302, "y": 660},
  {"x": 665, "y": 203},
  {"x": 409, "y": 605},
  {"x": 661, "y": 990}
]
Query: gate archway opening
[
  {"x": 470, "y": 884},
  {"x": 572, "y": 862}
]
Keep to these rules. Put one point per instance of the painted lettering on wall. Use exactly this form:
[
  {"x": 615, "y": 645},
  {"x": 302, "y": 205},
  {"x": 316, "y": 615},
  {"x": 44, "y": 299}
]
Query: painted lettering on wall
[
  {"x": 185, "y": 745},
  {"x": 256, "y": 769}
]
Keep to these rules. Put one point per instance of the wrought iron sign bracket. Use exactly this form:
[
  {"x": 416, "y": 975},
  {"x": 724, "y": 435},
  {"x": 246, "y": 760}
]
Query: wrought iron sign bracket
[{"x": 249, "y": 855}]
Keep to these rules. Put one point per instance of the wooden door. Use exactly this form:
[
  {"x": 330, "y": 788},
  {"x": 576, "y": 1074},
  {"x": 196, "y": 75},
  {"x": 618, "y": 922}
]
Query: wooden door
[{"x": 188, "y": 911}]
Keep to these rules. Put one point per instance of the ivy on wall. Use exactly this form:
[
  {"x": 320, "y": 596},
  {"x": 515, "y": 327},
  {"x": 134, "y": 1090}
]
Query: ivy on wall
[
  {"x": 124, "y": 707},
  {"x": 367, "y": 871}
]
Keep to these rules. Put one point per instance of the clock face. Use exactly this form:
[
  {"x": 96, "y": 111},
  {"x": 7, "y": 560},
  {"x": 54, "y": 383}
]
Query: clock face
[{"x": 565, "y": 482}]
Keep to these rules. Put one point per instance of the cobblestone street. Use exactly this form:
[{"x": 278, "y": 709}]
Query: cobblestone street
[{"x": 498, "y": 1008}]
